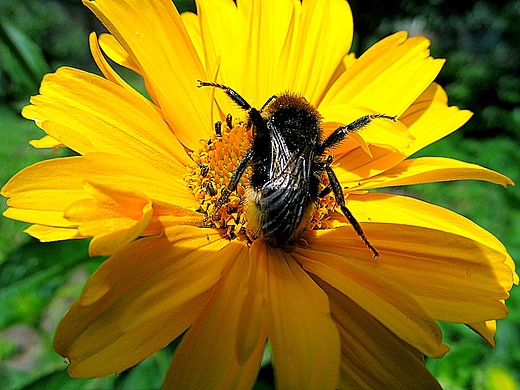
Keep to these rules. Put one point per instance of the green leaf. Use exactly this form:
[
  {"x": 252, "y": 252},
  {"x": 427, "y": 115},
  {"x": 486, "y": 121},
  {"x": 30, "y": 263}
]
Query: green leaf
[
  {"x": 30, "y": 276},
  {"x": 22, "y": 58}
]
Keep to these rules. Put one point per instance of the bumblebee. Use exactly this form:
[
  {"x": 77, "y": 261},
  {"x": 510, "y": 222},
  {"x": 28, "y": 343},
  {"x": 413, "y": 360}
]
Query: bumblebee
[{"x": 288, "y": 157}]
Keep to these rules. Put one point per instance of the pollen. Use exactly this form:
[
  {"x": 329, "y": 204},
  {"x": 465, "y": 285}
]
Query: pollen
[
  {"x": 210, "y": 173},
  {"x": 321, "y": 216}
]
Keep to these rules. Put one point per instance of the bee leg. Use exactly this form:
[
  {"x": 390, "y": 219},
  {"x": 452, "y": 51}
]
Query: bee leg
[
  {"x": 325, "y": 191},
  {"x": 340, "y": 200},
  {"x": 233, "y": 95},
  {"x": 318, "y": 169},
  {"x": 338, "y": 135},
  {"x": 254, "y": 115},
  {"x": 268, "y": 101}
]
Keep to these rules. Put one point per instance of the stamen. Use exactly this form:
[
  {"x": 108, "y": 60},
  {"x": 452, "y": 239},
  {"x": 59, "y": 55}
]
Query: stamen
[{"x": 214, "y": 164}]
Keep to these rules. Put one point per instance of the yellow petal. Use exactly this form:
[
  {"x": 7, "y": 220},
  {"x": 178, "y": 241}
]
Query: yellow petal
[
  {"x": 372, "y": 356},
  {"x": 50, "y": 233},
  {"x": 222, "y": 49},
  {"x": 267, "y": 24},
  {"x": 403, "y": 210},
  {"x": 486, "y": 330},
  {"x": 386, "y": 301},
  {"x": 108, "y": 202},
  {"x": 104, "y": 66},
  {"x": 223, "y": 349},
  {"x": 467, "y": 280},
  {"x": 171, "y": 215},
  {"x": 113, "y": 217},
  {"x": 176, "y": 216},
  {"x": 50, "y": 186},
  {"x": 142, "y": 28},
  {"x": 250, "y": 327},
  {"x": 318, "y": 40},
  {"x": 50, "y": 218},
  {"x": 430, "y": 119},
  {"x": 357, "y": 165},
  {"x": 345, "y": 63},
  {"x": 304, "y": 339},
  {"x": 388, "y": 77},
  {"x": 191, "y": 22},
  {"x": 141, "y": 298},
  {"x": 117, "y": 53},
  {"x": 47, "y": 142},
  {"x": 222, "y": 43},
  {"x": 91, "y": 114},
  {"x": 432, "y": 169}
]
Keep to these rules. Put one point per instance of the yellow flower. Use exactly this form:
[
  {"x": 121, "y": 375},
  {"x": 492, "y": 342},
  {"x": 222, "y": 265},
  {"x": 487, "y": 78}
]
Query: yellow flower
[{"x": 334, "y": 315}]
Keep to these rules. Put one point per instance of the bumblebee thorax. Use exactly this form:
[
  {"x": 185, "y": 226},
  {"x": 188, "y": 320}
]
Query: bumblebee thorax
[{"x": 298, "y": 121}]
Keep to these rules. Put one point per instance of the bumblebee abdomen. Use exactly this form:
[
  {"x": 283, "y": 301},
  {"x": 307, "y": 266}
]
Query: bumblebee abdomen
[{"x": 276, "y": 219}]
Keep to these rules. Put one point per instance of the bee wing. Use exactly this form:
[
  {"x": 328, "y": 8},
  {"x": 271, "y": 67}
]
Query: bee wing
[
  {"x": 285, "y": 195},
  {"x": 280, "y": 153}
]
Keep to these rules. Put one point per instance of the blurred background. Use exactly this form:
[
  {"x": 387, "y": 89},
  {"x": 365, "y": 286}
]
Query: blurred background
[{"x": 38, "y": 282}]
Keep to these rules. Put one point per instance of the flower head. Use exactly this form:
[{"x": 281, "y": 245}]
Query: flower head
[{"x": 155, "y": 168}]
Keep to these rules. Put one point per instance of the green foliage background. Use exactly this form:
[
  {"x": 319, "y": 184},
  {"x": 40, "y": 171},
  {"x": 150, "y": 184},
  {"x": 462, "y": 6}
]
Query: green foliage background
[{"x": 39, "y": 281}]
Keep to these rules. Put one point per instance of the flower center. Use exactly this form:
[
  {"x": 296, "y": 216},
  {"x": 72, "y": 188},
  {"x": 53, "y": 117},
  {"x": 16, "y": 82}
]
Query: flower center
[{"x": 214, "y": 164}]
